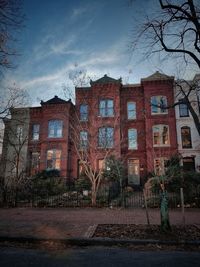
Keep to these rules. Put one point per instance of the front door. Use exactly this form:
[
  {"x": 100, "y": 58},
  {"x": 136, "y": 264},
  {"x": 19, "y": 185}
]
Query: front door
[{"x": 133, "y": 172}]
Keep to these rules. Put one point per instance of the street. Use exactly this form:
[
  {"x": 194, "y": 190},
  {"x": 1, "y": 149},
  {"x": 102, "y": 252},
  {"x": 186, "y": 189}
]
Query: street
[{"x": 95, "y": 257}]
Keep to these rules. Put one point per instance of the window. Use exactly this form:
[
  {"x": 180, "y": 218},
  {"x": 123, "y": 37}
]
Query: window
[
  {"x": 36, "y": 132},
  {"x": 183, "y": 109},
  {"x": 134, "y": 171},
  {"x": 106, "y": 108},
  {"x": 160, "y": 166},
  {"x": 186, "y": 137},
  {"x": 160, "y": 135},
  {"x": 83, "y": 112},
  {"x": 103, "y": 164},
  {"x": 106, "y": 137},
  {"x": 55, "y": 128},
  {"x": 83, "y": 139},
  {"x": 158, "y": 105},
  {"x": 53, "y": 159},
  {"x": 131, "y": 110},
  {"x": 35, "y": 161},
  {"x": 19, "y": 132},
  {"x": 132, "y": 138},
  {"x": 189, "y": 164}
]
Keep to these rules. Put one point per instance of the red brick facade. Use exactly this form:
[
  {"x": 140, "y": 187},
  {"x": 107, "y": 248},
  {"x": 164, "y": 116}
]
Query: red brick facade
[{"x": 145, "y": 153}]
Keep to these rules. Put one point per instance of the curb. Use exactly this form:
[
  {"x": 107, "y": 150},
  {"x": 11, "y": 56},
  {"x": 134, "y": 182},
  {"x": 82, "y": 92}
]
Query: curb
[{"x": 99, "y": 241}]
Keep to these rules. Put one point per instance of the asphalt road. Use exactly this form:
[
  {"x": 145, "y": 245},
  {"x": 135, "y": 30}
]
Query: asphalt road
[{"x": 96, "y": 257}]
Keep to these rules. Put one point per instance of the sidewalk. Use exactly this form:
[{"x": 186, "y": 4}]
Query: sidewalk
[{"x": 76, "y": 222}]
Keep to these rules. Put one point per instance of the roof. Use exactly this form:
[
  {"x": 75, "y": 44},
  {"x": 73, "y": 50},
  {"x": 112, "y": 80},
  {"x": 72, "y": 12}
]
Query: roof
[
  {"x": 105, "y": 80},
  {"x": 158, "y": 76},
  {"x": 55, "y": 100}
]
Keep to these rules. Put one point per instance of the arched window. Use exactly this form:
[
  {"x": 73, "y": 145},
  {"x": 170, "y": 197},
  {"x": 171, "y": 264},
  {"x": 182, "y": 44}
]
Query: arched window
[
  {"x": 161, "y": 135},
  {"x": 105, "y": 137},
  {"x": 159, "y": 105},
  {"x": 186, "y": 137}
]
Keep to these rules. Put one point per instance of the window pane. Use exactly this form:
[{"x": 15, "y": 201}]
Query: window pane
[
  {"x": 53, "y": 159},
  {"x": 158, "y": 104},
  {"x": 132, "y": 139},
  {"x": 161, "y": 135},
  {"x": 106, "y": 137},
  {"x": 183, "y": 109},
  {"x": 131, "y": 110},
  {"x": 106, "y": 108},
  {"x": 55, "y": 128},
  {"x": 186, "y": 137},
  {"x": 36, "y": 130},
  {"x": 84, "y": 112},
  {"x": 154, "y": 105},
  {"x": 83, "y": 139}
]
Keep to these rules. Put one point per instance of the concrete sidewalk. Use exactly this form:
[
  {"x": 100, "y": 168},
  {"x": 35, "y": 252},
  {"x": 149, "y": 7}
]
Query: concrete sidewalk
[{"x": 76, "y": 222}]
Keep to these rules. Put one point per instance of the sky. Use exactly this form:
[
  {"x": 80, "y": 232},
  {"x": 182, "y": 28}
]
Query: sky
[{"x": 61, "y": 36}]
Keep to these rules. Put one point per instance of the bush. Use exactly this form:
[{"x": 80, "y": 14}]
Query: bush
[
  {"x": 48, "y": 183},
  {"x": 83, "y": 183}
]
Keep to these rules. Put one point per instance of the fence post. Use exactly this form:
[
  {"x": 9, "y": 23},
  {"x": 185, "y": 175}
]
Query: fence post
[
  {"x": 182, "y": 206},
  {"x": 145, "y": 203}
]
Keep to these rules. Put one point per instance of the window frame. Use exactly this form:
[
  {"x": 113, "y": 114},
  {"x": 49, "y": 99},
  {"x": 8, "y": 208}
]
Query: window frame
[
  {"x": 156, "y": 105},
  {"x": 160, "y": 136},
  {"x": 36, "y": 132},
  {"x": 162, "y": 165},
  {"x": 134, "y": 140},
  {"x": 83, "y": 115},
  {"x": 54, "y": 159},
  {"x": 181, "y": 115},
  {"x": 104, "y": 111},
  {"x": 106, "y": 137},
  {"x": 55, "y": 130},
  {"x": 182, "y": 137},
  {"x": 131, "y": 110},
  {"x": 83, "y": 142}
]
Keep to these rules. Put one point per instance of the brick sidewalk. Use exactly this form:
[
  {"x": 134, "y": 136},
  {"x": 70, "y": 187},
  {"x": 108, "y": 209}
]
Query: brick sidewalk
[{"x": 69, "y": 222}]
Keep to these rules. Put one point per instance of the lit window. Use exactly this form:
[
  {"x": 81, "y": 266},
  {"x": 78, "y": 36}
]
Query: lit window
[
  {"x": 160, "y": 166},
  {"x": 132, "y": 138},
  {"x": 53, "y": 159},
  {"x": 158, "y": 105},
  {"x": 55, "y": 128},
  {"x": 36, "y": 132},
  {"x": 160, "y": 135},
  {"x": 83, "y": 139},
  {"x": 131, "y": 110},
  {"x": 183, "y": 109},
  {"x": 106, "y": 137},
  {"x": 83, "y": 112},
  {"x": 106, "y": 108},
  {"x": 186, "y": 137}
]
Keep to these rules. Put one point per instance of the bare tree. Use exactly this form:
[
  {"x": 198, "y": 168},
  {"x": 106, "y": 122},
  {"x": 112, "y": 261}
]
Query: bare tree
[
  {"x": 93, "y": 148},
  {"x": 11, "y": 20},
  {"x": 175, "y": 31},
  {"x": 14, "y": 156}
]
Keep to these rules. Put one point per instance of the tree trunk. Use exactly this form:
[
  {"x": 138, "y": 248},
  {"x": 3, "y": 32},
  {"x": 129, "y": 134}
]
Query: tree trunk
[
  {"x": 94, "y": 195},
  {"x": 164, "y": 211}
]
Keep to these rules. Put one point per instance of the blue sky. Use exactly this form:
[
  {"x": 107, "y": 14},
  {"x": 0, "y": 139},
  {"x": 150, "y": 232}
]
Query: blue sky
[{"x": 94, "y": 35}]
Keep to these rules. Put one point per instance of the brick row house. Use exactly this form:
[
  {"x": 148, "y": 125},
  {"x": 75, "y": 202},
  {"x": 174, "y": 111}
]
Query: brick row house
[{"x": 130, "y": 122}]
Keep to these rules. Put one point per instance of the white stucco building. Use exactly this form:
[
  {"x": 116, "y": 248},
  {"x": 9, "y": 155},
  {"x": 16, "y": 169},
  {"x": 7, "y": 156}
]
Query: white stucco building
[{"x": 188, "y": 137}]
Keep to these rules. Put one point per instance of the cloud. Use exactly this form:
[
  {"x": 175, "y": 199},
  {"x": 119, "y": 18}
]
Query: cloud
[{"x": 77, "y": 12}]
